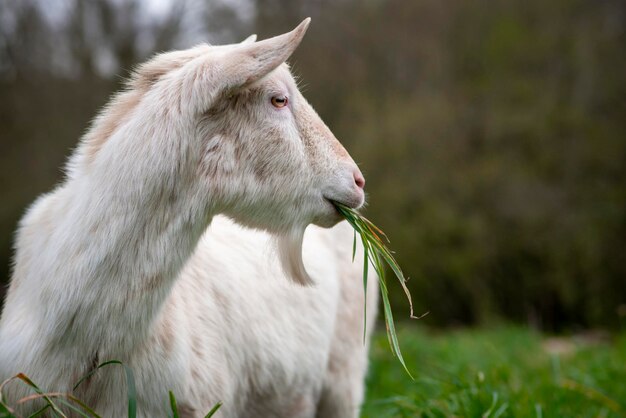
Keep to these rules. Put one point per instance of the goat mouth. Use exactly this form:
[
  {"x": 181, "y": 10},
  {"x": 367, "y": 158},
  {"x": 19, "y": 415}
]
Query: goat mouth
[
  {"x": 334, "y": 204},
  {"x": 351, "y": 205}
]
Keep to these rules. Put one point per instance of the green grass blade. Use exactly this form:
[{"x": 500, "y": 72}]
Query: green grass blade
[
  {"x": 84, "y": 406},
  {"x": 365, "y": 268},
  {"x": 26, "y": 379},
  {"x": 6, "y": 411},
  {"x": 173, "y": 405},
  {"x": 375, "y": 252},
  {"x": 354, "y": 246},
  {"x": 391, "y": 332},
  {"x": 595, "y": 395},
  {"x": 213, "y": 410},
  {"x": 36, "y": 413},
  {"x": 130, "y": 383},
  {"x": 85, "y": 412},
  {"x": 78, "y": 411}
]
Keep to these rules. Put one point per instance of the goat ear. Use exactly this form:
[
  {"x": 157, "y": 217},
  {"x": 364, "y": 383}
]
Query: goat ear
[
  {"x": 234, "y": 67},
  {"x": 254, "y": 60},
  {"x": 249, "y": 40}
]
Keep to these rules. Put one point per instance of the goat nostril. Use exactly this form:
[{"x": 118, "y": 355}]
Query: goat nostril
[{"x": 359, "y": 180}]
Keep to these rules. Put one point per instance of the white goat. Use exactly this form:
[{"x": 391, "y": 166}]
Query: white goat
[{"x": 113, "y": 264}]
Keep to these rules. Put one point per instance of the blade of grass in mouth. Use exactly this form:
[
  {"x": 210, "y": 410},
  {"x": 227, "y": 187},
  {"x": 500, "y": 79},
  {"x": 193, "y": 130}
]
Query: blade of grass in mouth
[{"x": 375, "y": 253}]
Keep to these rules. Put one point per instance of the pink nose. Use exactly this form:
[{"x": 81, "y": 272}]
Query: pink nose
[{"x": 358, "y": 179}]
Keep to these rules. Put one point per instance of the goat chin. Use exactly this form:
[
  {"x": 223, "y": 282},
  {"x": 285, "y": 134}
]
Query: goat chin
[{"x": 289, "y": 248}]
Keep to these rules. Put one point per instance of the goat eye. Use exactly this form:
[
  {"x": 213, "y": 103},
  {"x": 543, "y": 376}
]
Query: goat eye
[{"x": 279, "y": 101}]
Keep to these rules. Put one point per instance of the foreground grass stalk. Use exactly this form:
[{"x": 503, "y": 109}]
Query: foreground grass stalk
[
  {"x": 375, "y": 252},
  {"x": 82, "y": 410},
  {"x": 6, "y": 411},
  {"x": 130, "y": 383}
]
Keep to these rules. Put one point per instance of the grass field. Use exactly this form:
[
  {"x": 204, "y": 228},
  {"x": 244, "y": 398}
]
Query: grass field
[{"x": 500, "y": 372}]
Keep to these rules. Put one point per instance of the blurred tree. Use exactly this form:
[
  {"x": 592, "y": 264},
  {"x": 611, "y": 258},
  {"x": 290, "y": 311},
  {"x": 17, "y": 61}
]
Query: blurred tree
[
  {"x": 54, "y": 76},
  {"x": 492, "y": 134}
]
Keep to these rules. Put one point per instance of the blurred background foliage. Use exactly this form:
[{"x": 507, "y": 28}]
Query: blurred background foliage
[{"x": 492, "y": 133}]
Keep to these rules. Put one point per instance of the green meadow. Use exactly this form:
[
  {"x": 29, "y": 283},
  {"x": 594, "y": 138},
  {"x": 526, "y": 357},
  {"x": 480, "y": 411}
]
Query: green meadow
[{"x": 497, "y": 372}]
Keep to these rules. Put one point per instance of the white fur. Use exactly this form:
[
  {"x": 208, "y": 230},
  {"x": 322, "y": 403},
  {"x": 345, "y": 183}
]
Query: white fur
[{"x": 128, "y": 260}]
